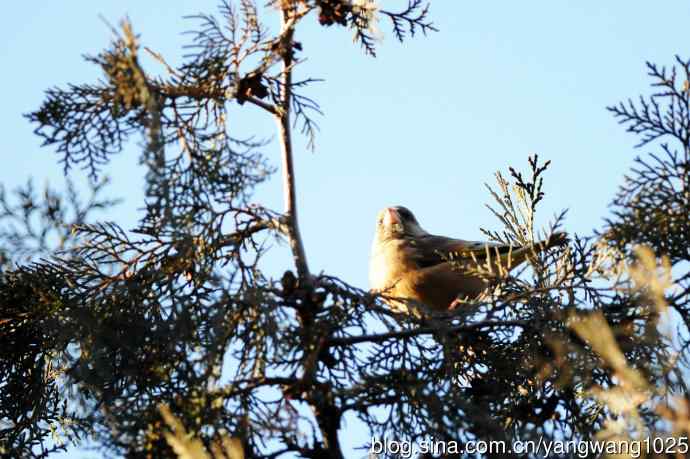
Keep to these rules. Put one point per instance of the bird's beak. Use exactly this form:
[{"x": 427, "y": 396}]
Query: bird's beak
[{"x": 390, "y": 217}]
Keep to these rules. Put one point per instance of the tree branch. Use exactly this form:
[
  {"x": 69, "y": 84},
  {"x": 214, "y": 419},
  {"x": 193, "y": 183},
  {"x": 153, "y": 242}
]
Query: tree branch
[
  {"x": 241, "y": 234},
  {"x": 206, "y": 93},
  {"x": 378, "y": 338},
  {"x": 283, "y": 118}
]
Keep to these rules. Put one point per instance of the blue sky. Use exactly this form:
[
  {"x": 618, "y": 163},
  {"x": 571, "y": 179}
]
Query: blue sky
[{"x": 424, "y": 125}]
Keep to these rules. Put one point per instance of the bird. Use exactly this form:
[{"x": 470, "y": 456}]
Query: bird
[{"x": 408, "y": 263}]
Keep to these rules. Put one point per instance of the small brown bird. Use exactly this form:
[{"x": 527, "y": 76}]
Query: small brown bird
[{"x": 407, "y": 263}]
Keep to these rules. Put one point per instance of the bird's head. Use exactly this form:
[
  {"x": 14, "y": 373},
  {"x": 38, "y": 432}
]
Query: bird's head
[{"x": 396, "y": 222}]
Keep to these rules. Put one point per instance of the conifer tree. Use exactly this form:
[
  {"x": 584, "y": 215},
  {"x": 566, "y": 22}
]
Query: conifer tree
[{"x": 121, "y": 335}]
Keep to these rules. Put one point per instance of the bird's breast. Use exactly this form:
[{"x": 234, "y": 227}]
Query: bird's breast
[
  {"x": 388, "y": 264},
  {"x": 378, "y": 271}
]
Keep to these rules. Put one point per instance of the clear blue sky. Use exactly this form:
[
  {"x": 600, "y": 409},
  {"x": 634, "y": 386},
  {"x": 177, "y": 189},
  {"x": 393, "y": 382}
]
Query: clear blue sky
[{"x": 425, "y": 124}]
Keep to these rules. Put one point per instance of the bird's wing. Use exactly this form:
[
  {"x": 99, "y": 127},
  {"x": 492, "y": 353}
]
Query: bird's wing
[{"x": 430, "y": 250}]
